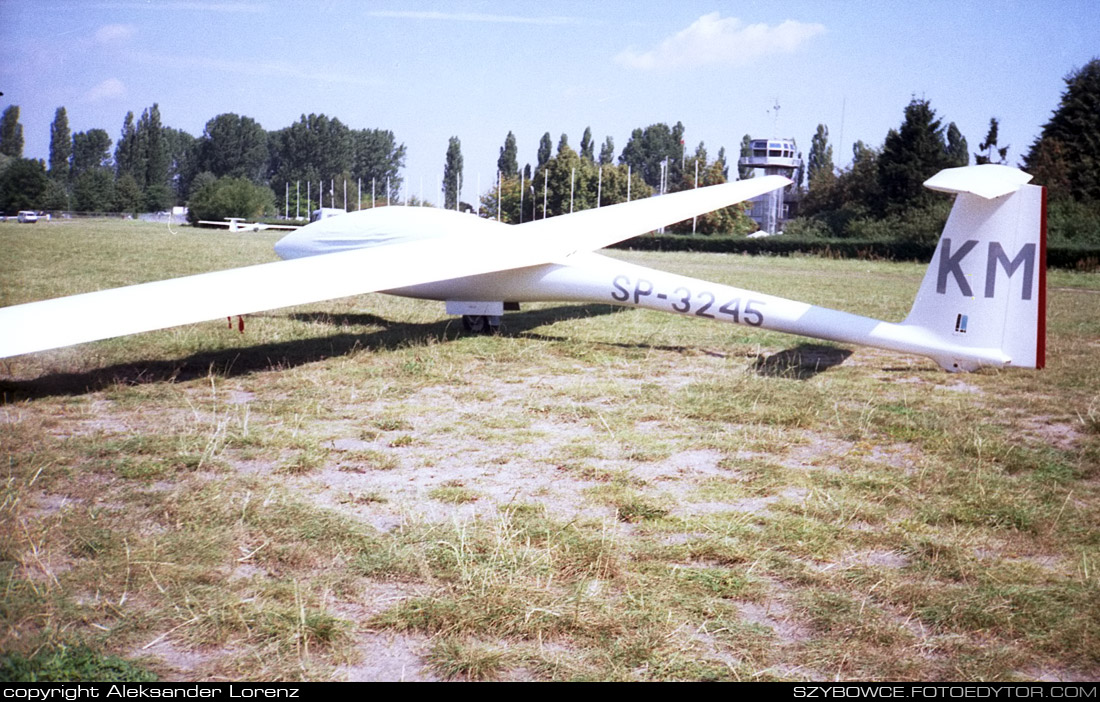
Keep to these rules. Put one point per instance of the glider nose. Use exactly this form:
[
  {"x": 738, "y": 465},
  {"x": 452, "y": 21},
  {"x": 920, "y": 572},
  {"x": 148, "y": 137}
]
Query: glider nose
[{"x": 291, "y": 245}]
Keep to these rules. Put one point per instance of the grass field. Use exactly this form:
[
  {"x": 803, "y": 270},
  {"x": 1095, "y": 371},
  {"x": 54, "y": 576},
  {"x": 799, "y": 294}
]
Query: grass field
[{"x": 355, "y": 490}]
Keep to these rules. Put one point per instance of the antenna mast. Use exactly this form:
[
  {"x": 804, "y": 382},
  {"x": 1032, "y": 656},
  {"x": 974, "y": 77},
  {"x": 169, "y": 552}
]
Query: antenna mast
[{"x": 775, "y": 113}]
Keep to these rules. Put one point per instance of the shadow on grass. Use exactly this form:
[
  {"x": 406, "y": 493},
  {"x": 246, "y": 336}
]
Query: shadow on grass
[
  {"x": 801, "y": 362},
  {"x": 288, "y": 354}
]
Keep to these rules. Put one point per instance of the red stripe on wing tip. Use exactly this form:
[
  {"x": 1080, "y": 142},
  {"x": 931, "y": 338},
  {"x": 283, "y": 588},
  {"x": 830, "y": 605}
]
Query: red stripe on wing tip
[{"x": 1041, "y": 327}]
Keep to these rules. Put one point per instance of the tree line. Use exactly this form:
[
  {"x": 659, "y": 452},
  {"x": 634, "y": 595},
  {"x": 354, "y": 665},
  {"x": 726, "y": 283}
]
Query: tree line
[
  {"x": 236, "y": 167},
  {"x": 153, "y": 167},
  {"x": 654, "y": 160},
  {"x": 880, "y": 196}
]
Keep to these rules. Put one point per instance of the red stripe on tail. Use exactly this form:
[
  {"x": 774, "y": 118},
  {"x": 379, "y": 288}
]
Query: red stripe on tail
[{"x": 1041, "y": 327}]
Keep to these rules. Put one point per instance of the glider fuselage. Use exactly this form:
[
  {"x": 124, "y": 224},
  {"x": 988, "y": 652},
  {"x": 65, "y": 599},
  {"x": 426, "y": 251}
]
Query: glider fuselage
[{"x": 595, "y": 278}]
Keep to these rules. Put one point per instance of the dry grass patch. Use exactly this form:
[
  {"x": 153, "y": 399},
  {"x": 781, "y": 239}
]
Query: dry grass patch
[{"x": 354, "y": 490}]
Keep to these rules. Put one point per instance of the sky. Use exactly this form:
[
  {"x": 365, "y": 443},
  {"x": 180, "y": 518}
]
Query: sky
[{"x": 478, "y": 69}]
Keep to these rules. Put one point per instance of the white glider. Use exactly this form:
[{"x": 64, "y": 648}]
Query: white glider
[
  {"x": 982, "y": 302},
  {"x": 239, "y": 224}
]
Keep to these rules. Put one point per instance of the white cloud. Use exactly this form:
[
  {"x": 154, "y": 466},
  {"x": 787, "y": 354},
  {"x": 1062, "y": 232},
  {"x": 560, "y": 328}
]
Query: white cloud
[
  {"x": 714, "y": 40},
  {"x": 470, "y": 17},
  {"x": 108, "y": 89},
  {"x": 113, "y": 32},
  {"x": 249, "y": 7},
  {"x": 281, "y": 70}
]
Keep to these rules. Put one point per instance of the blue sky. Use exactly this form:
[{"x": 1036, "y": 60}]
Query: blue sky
[{"x": 430, "y": 70}]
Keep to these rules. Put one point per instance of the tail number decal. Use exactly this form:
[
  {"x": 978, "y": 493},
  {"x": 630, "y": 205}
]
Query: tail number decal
[
  {"x": 683, "y": 301},
  {"x": 951, "y": 265}
]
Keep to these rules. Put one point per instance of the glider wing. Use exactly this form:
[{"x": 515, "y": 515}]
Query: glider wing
[{"x": 484, "y": 247}]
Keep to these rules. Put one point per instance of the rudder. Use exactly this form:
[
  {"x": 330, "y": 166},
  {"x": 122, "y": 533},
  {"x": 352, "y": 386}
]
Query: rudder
[{"x": 986, "y": 285}]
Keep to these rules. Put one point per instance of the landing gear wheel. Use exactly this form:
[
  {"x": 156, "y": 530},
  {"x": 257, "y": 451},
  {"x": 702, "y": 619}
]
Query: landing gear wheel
[
  {"x": 480, "y": 324},
  {"x": 475, "y": 323}
]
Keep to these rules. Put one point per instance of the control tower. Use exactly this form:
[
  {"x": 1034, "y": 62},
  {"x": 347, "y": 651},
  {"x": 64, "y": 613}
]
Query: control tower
[{"x": 776, "y": 157}]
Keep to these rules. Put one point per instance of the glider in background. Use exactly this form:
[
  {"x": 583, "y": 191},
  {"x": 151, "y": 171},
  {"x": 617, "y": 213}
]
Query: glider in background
[
  {"x": 981, "y": 303},
  {"x": 239, "y": 224}
]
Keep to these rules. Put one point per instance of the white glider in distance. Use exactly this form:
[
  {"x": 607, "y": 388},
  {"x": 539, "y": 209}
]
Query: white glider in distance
[
  {"x": 982, "y": 301},
  {"x": 240, "y": 224}
]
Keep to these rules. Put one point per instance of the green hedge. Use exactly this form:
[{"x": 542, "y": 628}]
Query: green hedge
[{"x": 1059, "y": 256}]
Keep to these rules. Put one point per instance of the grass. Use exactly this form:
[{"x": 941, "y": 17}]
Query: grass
[{"x": 589, "y": 495}]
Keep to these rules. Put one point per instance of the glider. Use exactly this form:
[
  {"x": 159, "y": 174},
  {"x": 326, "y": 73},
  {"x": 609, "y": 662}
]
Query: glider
[
  {"x": 981, "y": 303},
  {"x": 239, "y": 224}
]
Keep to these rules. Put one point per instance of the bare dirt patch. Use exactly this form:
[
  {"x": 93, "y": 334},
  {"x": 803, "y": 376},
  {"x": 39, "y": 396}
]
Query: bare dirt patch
[
  {"x": 389, "y": 657},
  {"x": 777, "y": 616}
]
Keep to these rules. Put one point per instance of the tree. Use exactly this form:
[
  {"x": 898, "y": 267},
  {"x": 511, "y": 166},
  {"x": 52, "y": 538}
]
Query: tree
[
  {"x": 566, "y": 179},
  {"x": 563, "y": 143},
  {"x": 23, "y": 185},
  {"x": 911, "y": 155},
  {"x": 452, "y": 175},
  {"x": 11, "y": 133},
  {"x": 728, "y": 220},
  {"x": 158, "y": 159},
  {"x": 57, "y": 195},
  {"x": 230, "y": 197},
  {"x": 506, "y": 163},
  {"x": 607, "y": 152},
  {"x": 128, "y": 158},
  {"x": 991, "y": 152},
  {"x": 648, "y": 150},
  {"x": 61, "y": 146},
  {"x": 800, "y": 172},
  {"x": 745, "y": 172},
  {"x": 128, "y": 196},
  {"x": 232, "y": 145},
  {"x": 377, "y": 158},
  {"x": 94, "y": 191},
  {"x": 958, "y": 153},
  {"x": 1066, "y": 156},
  {"x": 821, "y": 158},
  {"x": 312, "y": 149},
  {"x": 544, "y": 151},
  {"x": 587, "y": 147},
  {"x": 181, "y": 163},
  {"x": 91, "y": 149},
  {"x": 852, "y": 194}
]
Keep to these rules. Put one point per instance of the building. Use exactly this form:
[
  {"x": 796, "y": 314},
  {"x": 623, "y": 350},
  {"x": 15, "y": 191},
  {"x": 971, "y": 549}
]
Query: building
[{"x": 776, "y": 157}]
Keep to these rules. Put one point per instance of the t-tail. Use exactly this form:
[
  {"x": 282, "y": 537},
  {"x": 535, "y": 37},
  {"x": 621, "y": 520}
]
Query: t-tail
[{"x": 983, "y": 299}]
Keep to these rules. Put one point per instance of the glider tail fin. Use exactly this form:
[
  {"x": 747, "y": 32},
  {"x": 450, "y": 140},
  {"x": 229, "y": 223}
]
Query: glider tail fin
[{"x": 984, "y": 295}]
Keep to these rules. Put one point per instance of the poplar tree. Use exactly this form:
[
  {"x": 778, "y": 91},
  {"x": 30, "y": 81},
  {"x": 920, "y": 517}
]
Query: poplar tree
[
  {"x": 158, "y": 159},
  {"x": 958, "y": 153},
  {"x": 544, "y": 151},
  {"x": 61, "y": 146},
  {"x": 452, "y": 174},
  {"x": 506, "y": 163},
  {"x": 128, "y": 158},
  {"x": 821, "y": 158},
  {"x": 11, "y": 133},
  {"x": 607, "y": 152},
  {"x": 745, "y": 172},
  {"x": 587, "y": 147}
]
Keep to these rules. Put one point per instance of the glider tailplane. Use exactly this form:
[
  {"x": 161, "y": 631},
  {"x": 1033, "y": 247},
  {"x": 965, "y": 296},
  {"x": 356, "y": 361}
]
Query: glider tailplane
[{"x": 983, "y": 299}]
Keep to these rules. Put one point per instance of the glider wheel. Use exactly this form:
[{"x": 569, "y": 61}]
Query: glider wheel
[{"x": 480, "y": 324}]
